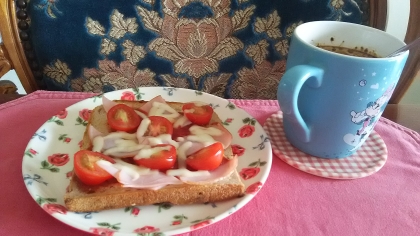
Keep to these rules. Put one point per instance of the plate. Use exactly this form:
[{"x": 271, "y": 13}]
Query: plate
[
  {"x": 48, "y": 162},
  {"x": 367, "y": 160}
]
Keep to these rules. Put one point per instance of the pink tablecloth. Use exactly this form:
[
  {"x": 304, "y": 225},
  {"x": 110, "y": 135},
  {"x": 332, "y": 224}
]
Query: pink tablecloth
[{"x": 290, "y": 203}]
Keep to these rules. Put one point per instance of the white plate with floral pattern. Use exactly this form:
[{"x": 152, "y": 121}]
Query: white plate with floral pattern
[{"x": 48, "y": 162}]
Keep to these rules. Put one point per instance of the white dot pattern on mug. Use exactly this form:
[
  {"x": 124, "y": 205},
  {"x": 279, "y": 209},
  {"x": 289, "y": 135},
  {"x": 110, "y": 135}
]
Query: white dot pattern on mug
[{"x": 368, "y": 159}]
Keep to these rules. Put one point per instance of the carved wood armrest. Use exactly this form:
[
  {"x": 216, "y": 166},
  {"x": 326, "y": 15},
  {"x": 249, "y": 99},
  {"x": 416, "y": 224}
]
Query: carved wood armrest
[
  {"x": 7, "y": 87},
  {"x": 5, "y": 65}
]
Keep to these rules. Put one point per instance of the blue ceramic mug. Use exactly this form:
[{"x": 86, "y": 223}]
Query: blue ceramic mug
[{"x": 330, "y": 101}]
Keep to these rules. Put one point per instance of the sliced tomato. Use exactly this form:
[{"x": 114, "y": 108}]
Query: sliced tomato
[
  {"x": 164, "y": 159},
  {"x": 87, "y": 170},
  {"x": 123, "y": 118},
  {"x": 159, "y": 125},
  {"x": 208, "y": 158},
  {"x": 198, "y": 114},
  {"x": 181, "y": 131}
]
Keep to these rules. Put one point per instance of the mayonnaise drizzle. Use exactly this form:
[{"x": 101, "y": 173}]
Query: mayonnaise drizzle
[
  {"x": 141, "y": 130},
  {"x": 148, "y": 152},
  {"x": 134, "y": 171},
  {"x": 182, "y": 157},
  {"x": 181, "y": 121},
  {"x": 164, "y": 110},
  {"x": 98, "y": 143},
  {"x": 187, "y": 173},
  {"x": 120, "y": 134},
  {"x": 141, "y": 114},
  {"x": 125, "y": 149},
  {"x": 129, "y": 143},
  {"x": 163, "y": 139}
]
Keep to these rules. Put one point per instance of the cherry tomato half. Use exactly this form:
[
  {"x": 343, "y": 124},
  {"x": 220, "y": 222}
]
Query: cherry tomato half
[
  {"x": 123, "y": 118},
  {"x": 87, "y": 170},
  {"x": 164, "y": 159},
  {"x": 208, "y": 158},
  {"x": 199, "y": 115},
  {"x": 159, "y": 125}
]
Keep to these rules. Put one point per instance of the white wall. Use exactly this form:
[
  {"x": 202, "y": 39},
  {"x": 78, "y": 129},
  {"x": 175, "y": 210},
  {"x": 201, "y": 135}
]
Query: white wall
[
  {"x": 11, "y": 75},
  {"x": 396, "y": 15}
]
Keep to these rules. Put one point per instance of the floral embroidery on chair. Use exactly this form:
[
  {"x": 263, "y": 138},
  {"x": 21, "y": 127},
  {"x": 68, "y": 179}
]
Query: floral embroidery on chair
[
  {"x": 59, "y": 71},
  {"x": 109, "y": 74},
  {"x": 259, "y": 82},
  {"x": 230, "y": 48}
]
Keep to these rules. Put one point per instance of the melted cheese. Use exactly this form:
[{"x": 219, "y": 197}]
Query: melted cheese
[
  {"x": 182, "y": 157},
  {"x": 205, "y": 139},
  {"x": 163, "y": 139},
  {"x": 141, "y": 130},
  {"x": 98, "y": 144},
  {"x": 132, "y": 170},
  {"x": 148, "y": 152},
  {"x": 181, "y": 121},
  {"x": 120, "y": 134},
  {"x": 164, "y": 110},
  {"x": 125, "y": 149},
  {"x": 124, "y": 138},
  {"x": 187, "y": 173},
  {"x": 203, "y": 134}
]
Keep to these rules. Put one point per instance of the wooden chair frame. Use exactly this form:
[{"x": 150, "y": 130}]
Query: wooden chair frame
[{"x": 14, "y": 55}]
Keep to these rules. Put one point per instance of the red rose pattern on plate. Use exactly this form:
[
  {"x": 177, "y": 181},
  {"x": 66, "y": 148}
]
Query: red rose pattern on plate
[
  {"x": 247, "y": 140},
  {"x": 54, "y": 208},
  {"x": 128, "y": 96}
]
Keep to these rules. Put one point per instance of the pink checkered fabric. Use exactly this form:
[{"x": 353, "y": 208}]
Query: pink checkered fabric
[{"x": 368, "y": 159}]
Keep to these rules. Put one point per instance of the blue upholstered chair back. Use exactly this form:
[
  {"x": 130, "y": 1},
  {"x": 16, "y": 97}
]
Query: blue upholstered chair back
[{"x": 230, "y": 48}]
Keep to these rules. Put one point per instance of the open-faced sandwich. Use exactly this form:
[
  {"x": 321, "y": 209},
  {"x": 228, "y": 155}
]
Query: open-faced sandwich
[{"x": 147, "y": 152}]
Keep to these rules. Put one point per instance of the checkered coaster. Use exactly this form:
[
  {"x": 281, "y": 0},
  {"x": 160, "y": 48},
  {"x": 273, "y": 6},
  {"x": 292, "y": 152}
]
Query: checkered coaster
[{"x": 368, "y": 159}]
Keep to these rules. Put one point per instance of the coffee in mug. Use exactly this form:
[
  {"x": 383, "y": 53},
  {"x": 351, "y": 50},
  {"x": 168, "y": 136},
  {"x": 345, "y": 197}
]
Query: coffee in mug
[
  {"x": 330, "y": 101},
  {"x": 356, "y": 52}
]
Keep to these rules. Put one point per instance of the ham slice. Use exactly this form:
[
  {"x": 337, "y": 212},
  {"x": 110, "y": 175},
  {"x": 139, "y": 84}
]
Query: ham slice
[
  {"x": 133, "y": 176},
  {"x": 225, "y": 138},
  {"x": 107, "y": 104},
  {"x": 148, "y": 105},
  {"x": 221, "y": 172},
  {"x": 93, "y": 132},
  {"x": 150, "y": 181}
]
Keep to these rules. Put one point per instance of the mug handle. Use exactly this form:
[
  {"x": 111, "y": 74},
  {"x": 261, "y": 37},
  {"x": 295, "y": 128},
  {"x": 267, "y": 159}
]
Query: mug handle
[{"x": 288, "y": 92}]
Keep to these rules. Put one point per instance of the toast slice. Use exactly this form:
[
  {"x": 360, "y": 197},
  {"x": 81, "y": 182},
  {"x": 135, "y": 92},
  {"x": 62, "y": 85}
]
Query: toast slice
[{"x": 80, "y": 197}]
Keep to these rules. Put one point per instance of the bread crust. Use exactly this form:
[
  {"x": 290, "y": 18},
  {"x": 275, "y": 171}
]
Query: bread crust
[{"x": 80, "y": 197}]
